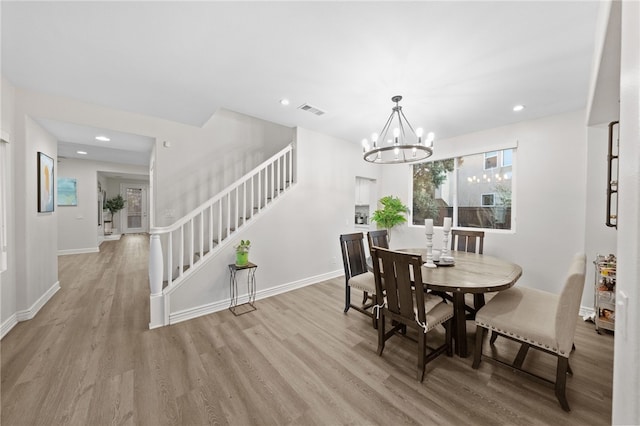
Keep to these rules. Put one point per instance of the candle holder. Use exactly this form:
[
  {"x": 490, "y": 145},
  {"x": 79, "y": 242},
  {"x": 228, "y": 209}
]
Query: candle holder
[
  {"x": 445, "y": 256},
  {"x": 430, "y": 263}
]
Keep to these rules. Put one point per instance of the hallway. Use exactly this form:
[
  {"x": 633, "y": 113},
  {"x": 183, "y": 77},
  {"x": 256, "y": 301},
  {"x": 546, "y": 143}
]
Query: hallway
[{"x": 74, "y": 362}]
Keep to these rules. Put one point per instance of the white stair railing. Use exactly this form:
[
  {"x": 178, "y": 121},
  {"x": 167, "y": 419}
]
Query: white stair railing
[{"x": 176, "y": 251}]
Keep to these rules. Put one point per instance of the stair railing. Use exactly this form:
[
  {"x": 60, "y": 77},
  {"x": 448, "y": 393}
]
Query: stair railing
[{"x": 177, "y": 250}]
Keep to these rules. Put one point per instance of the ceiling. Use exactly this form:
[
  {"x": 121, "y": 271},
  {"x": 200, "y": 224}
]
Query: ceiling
[{"x": 460, "y": 66}]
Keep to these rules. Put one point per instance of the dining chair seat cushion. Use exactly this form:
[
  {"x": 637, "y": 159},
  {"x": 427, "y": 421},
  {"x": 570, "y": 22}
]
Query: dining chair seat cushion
[
  {"x": 365, "y": 282},
  {"x": 436, "y": 311},
  {"x": 526, "y": 314}
]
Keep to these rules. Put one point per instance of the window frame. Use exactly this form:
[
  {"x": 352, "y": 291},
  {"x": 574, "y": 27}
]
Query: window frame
[{"x": 464, "y": 152}]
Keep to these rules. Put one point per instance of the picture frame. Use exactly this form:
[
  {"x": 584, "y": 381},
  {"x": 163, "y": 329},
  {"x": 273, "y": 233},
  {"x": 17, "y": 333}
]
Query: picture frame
[
  {"x": 46, "y": 174},
  {"x": 67, "y": 191}
]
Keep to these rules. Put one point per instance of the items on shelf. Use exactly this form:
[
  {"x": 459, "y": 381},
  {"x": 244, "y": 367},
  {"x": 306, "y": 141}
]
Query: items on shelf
[{"x": 605, "y": 292}]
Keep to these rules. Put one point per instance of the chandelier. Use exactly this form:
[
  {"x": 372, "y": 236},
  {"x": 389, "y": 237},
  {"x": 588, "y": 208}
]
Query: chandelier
[{"x": 403, "y": 147}]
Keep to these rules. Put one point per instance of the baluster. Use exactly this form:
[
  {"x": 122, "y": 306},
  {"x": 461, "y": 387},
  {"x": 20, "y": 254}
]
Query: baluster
[
  {"x": 191, "y": 242},
  {"x": 278, "y": 176},
  {"x": 220, "y": 221},
  {"x": 211, "y": 227},
  {"x": 155, "y": 265},
  {"x": 201, "y": 233},
  {"x": 228, "y": 214},
  {"x": 169, "y": 258},
  {"x": 181, "y": 252},
  {"x": 237, "y": 211}
]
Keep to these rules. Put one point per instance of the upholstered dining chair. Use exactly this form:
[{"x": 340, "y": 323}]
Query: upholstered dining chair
[
  {"x": 536, "y": 319},
  {"x": 471, "y": 242},
  {"x": 406, "y": 307},
  {"x": 356, "y": 274}
]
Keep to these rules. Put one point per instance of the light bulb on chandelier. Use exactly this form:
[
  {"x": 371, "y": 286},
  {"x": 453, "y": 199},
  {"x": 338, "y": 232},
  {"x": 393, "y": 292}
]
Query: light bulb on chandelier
[{"x": 403, "y": 147}]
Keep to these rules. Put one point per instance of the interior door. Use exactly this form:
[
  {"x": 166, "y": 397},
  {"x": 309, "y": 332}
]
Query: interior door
[{"x": 135, "y": 213}]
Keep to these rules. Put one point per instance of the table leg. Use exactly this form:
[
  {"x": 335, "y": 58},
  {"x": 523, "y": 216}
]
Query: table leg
[{"x": 460, "y": 323}]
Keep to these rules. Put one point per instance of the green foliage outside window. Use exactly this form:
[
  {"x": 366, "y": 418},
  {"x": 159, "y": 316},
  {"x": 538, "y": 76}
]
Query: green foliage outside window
[{"x": 427, "y": 177}]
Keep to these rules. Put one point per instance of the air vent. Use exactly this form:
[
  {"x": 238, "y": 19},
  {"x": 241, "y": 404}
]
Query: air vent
[{"x": 311, "y": 109}]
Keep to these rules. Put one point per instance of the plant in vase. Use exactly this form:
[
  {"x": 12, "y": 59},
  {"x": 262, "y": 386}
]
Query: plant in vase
[
  {"x": 114, "y": 205},
  {"x": 391, "y": 214},
  {"x": 242, "y": 253}
]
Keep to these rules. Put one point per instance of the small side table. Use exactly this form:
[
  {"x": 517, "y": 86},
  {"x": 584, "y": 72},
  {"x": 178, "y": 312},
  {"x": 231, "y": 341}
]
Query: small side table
[{"x": 251, "y": 288}]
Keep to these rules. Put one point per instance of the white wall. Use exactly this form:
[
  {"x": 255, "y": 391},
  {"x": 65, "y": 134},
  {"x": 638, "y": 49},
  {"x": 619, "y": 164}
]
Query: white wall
[
  {"x": 78, "y": 225},
  {"x": 8, "y": 301},
  {"x": 297, "y": 241},
  {"x": 200, "y": 160},
  {"x": 549, "y": 197}
]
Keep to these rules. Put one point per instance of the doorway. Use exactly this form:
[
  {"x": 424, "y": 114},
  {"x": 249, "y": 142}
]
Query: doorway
[{"x": 134, "y": 216}]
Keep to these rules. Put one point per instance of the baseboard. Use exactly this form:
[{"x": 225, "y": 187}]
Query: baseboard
[
  {"x": 8, "y": 325},
  {"x": 587, "y": 312},
  {"x": 209, "y": 308},
  {"x": 112, "y": 237},
  {"x": 30, "y": 313},
  {"x": 78, "y": 251}
]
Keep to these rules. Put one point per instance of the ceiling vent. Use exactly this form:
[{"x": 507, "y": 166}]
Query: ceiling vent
[{"x": 311, "y": 109}]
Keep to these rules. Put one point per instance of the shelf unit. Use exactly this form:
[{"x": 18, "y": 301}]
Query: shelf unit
[{"x": 605, "y": 292}]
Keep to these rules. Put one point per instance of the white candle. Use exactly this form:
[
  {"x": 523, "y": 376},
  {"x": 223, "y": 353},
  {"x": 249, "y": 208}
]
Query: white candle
[
  {"x": 428, "y": 226},
  {"x": 447, "y": 224}
]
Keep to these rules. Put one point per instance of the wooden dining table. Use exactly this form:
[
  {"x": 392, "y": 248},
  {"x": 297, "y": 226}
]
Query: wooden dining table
[{"x": 471, "y": 273}]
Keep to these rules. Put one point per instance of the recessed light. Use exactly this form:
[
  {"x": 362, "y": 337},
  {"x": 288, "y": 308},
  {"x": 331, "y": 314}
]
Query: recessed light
[
  {"x": 284, "y": 102},
  {"x": 102, "y": 138},
  {"x": 518, "y": 108},
  {"x": 81, "y": 152}
]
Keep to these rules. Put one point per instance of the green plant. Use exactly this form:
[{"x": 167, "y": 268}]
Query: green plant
[
  {"x": 243, "y": 247},
  {"x": 391, "y": 214},
  {"x": 115, "y": 204}
]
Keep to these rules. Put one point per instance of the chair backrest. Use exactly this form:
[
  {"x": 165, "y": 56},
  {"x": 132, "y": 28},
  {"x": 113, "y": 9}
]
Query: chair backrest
[
  {"x": 398, "y": 270},
  {"x": 353, "y": 254},
  {"x": 469, "y": 241},
  {"x": 379, "y": 238},
  {"x": 569, "y": 304}
]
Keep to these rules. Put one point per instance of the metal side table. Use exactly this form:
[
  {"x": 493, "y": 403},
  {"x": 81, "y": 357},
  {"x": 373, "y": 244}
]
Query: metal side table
[{"x": 251, "y": 288}]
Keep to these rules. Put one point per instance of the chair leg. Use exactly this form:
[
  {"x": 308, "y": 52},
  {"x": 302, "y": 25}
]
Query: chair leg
[
  {"x": 448, "y": 337},
  {"x": 422, "y": 346},
  {"x": 380, "y": 334},
  {"x": 365, "y": 297},
  {"x": 347, "y": 298},
  {"x": 561, "y": 382},
  {"x": 478, "y": 301},
  {"x": 569, "y": 370},
  {"x": 522, "y": 354},
  {"x": 494, "y": 336},
  {"x": 477, "y": 354}
]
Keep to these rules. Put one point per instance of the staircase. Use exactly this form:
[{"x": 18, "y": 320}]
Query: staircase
[{"x": 178, "y": 250}]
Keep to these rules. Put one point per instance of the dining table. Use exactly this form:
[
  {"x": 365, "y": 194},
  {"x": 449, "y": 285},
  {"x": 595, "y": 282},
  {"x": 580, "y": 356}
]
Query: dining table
[{"x": 469, "y": 273}]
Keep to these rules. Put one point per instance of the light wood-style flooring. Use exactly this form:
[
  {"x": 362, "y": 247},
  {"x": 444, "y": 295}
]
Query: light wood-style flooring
[{"x": 89, "y": 359}]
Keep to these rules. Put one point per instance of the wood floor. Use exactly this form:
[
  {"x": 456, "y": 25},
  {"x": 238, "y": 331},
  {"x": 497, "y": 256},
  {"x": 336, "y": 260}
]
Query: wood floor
[{"x": 89, "y": 359}]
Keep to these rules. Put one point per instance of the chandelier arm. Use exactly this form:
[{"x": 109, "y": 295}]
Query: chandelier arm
[
  {"x": 408, "y": 124},
  {"x": 385, "y": 129}
]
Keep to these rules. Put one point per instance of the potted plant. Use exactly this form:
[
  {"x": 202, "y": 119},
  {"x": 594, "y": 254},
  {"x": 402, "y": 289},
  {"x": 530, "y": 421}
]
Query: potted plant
[
  {"x": 392, "y": 213},
  {"x": 114, "y": 205},
  {"x": 242, "y": 253}
]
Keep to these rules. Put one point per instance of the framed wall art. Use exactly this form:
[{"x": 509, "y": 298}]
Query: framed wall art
[
  {"x": 67, "y": 191},
  {"x": 45, "y": 183}
]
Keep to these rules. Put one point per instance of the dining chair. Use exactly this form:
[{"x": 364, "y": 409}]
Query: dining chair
[
  {"x": 378, "y": 238},
  {"x": 471, "y": 242},
  {"x": 536, "y": 319},
  {"x": 405, "y": 307},
  {"x": 356, "y": 273}
]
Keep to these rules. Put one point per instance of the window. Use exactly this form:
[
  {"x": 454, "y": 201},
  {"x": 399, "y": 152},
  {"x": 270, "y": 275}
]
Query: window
[
  {"x": 490, "y": 160},
  {"x": 488, "y": 200},
  {"x": 464, "y": 188}
]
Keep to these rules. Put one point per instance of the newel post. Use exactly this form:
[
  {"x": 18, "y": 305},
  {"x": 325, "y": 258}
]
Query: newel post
[
  {"x": 155, "y": 265},
  {"x": 156, "y": 302}
]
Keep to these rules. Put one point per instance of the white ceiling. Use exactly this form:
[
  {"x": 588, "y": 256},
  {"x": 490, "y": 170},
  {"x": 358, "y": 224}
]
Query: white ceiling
[{"x": 461, "y": 66}]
